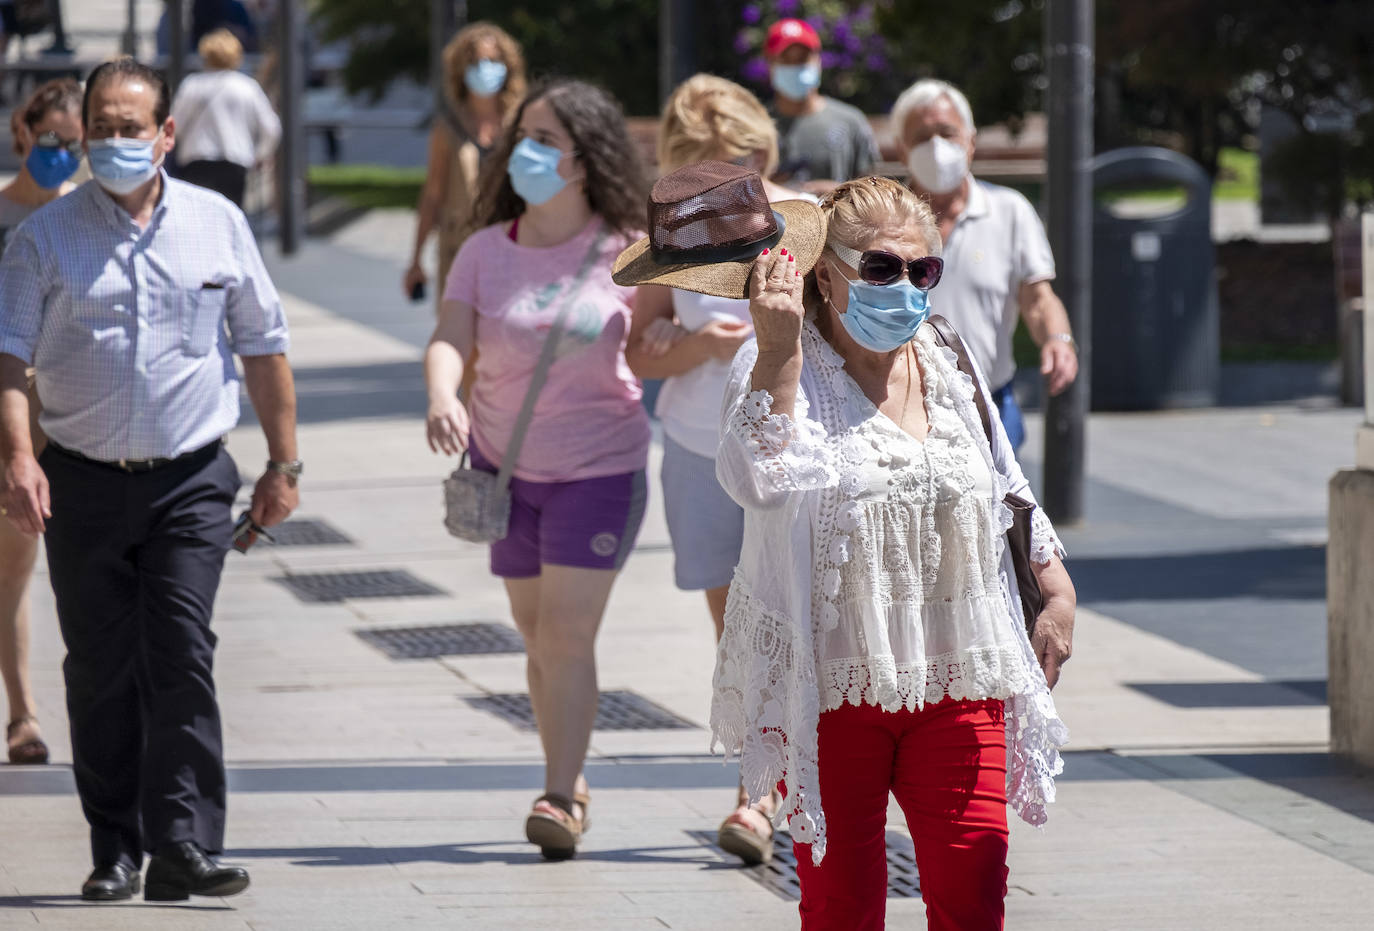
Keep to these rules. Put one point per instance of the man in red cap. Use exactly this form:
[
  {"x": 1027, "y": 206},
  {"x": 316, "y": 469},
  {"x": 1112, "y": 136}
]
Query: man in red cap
[{"x": 821, "y": 141}]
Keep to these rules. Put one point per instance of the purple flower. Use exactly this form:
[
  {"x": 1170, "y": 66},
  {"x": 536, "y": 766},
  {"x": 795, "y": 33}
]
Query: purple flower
[
  {"x": 829, "y": 59},
  {"x": 743, "y": 44},
  {"x": 842, "y": 33},
  {"x": 751, "y": 13},
  {"x": 816, "y": 22},
  {"x": 788, "y": 7},
  {"x": 756, "y": 70},
  {"x": 876, "y": 61}
]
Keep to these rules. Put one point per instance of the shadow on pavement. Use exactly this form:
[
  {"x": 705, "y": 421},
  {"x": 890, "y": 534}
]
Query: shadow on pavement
[
  {"x": 487, "y": 852},
  {"x": 75, "y": 901},
  {"x": 1290, "y": 573},
  {"x": 351, "y": 392},
  {"x": 1321, "y": 777},
  {"x": 1267, "y": 694}
]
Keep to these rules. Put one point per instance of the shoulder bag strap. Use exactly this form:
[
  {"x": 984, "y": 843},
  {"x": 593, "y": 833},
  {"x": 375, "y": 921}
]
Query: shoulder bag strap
[
  {"x": 546, "y": 357},
  {"x": 946, "y": 335}
]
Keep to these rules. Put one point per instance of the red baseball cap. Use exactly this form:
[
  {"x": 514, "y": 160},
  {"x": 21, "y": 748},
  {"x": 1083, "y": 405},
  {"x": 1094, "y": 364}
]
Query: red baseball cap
[{"x": 788, "y": 32}]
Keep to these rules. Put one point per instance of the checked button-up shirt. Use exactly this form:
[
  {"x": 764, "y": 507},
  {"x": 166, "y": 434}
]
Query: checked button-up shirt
[{"x": 132, "y": 331}]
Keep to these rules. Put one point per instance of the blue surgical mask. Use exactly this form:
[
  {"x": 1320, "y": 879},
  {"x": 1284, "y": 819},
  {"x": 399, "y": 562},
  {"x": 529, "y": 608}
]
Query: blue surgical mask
[
  {"x": 485, "y": 77},
  {"x": 533, "y": 171},
  {"x": 882, "y": 318},
  {"x": 796, "y": 82},
  {"x": 51, "y": 165},
  {"x": 121, "y": 166}
]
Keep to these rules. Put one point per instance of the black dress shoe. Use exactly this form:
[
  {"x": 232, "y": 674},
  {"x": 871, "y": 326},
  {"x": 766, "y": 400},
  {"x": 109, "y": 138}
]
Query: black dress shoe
[
  {"x": 110, "y": 883},
  {"x": 181, "y": 870}
]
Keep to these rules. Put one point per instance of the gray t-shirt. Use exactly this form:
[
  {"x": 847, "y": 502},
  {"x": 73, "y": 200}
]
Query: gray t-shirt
[
  {"x": 835, "y": 142},
  {"x": 11, "y": 215}
]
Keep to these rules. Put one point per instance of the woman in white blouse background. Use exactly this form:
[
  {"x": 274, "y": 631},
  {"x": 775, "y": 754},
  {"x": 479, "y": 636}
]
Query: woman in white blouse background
[
  {"x": 225, "y": 123},
  {"x": 688, "y": 340},
  {"x": 873, "y": 639}
]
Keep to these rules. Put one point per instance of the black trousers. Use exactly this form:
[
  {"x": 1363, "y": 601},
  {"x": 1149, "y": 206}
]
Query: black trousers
[
  {"x": 228, "y": 178},
  {"x": 135, "y": 561}
]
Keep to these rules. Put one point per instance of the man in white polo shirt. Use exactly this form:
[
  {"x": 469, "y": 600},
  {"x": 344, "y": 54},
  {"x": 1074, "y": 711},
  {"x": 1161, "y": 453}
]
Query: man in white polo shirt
[{"x": 998, "y": 263}]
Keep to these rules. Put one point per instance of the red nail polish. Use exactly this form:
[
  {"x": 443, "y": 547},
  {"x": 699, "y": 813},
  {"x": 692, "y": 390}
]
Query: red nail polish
[
  {"x": 791, "y": 258},
  {"x": 765, "y": 251},
  {"x": 783, "y": 251}
]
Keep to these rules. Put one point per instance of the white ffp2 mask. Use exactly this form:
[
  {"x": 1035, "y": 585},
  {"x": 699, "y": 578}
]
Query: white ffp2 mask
[{"x": 938, "y": 165}]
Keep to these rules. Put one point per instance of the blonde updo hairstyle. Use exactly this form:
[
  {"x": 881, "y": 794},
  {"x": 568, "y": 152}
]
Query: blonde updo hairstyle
[
  {"x": 220, "y": 50},
  {"x": 461, "y": 51},
  {"x": 859, "y": 211},
  {"x": 708, "y": 117}
]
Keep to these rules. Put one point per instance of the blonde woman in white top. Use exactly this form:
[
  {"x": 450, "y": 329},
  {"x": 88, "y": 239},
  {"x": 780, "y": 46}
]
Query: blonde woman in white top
[
  {"x": 225, "y": 123},
  {"x": 688, "y": 339},
  {"x": 873, "y": 637}
]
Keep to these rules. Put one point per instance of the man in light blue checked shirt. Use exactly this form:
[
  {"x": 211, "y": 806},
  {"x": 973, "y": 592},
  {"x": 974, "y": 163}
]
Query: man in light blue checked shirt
[{"x": 130, "y": 297}]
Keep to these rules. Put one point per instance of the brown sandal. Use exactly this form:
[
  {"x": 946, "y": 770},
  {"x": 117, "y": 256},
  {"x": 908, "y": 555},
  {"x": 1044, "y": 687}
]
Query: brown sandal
[
  {"x": 556, "y": 833},
  {"x": 32, "y": 752},
  {"x": 736, "y": 836}
]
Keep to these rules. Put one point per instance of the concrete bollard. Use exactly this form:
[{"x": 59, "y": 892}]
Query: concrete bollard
[{"x": 1350, "y": 568}]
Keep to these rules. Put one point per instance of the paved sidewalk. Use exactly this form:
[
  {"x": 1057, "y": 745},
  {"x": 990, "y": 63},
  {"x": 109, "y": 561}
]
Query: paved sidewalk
[{"x": 371, "y": 792}]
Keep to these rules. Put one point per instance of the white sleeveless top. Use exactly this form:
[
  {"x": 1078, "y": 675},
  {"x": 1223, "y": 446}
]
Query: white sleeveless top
[{"x": 689, "y": 404}]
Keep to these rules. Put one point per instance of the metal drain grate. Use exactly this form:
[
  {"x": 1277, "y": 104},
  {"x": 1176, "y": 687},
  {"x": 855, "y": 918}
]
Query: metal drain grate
[
  {"x": 779, "y": 875},
  {"x": 443, "y": 640},
  {"x": 308, "y": 532},
  {"x": 324, "y": 587},
  {"x": 617, "y": 711}
]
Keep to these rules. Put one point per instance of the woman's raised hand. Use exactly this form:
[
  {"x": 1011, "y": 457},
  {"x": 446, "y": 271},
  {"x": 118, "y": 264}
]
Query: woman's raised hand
[{"x": 775, "y": 301}]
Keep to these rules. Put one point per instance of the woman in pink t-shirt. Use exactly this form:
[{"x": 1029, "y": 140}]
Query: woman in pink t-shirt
[{"x": 559, "y": 199}]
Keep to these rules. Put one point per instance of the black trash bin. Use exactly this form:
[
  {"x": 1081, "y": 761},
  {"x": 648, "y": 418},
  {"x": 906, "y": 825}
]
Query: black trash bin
[{"x": 1156, "y": 329}]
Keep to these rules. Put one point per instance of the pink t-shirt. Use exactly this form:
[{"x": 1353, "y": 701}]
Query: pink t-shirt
[{"x": 588, "y": 420}]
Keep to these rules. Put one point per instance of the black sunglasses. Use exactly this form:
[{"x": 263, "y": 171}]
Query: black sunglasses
[
  {"x": 879, "y": 267},
  {"x": 51, "y": 140}
]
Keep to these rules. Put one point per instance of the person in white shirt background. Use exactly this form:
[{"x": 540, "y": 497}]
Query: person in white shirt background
[
  {"x": 688, "y": 339},
  {"x": 225, "y": 122},
  {"x": 999, "y": 264}
]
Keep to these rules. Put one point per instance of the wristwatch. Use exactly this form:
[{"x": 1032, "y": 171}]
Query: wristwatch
[
  {"x": 1064, "y": 338},
  {"x": 292, "y": 469}
]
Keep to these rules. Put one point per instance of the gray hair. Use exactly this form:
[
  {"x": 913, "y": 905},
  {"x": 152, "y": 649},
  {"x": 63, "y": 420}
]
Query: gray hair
[{"x": 921, "y": 95}]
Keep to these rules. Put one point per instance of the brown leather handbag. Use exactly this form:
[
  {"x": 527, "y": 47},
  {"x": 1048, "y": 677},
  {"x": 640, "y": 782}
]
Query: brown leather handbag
[{"x": 1019, "y": 534}]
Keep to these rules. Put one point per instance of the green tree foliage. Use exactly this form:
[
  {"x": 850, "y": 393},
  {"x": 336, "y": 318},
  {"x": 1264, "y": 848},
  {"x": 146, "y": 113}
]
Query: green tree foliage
[
  {"x": 991, "y": 49},
  {"x": 611, "y": 42},
  {"x": 1184, "y": 73}
]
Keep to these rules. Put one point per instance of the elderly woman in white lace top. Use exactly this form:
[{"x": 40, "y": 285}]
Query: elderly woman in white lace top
[{"x": 873, "y": 636}]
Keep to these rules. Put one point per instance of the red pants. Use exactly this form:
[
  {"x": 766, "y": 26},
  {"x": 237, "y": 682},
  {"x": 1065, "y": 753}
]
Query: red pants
[{"x": 947, "y": 767}]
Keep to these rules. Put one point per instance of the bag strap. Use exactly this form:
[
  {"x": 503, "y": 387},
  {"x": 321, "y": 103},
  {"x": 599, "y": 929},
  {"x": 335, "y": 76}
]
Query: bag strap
[
  {"x": 946, "y": 335},
  {"x": 546, "y": 358}
]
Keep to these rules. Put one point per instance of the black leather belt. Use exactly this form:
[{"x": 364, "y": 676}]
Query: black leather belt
[{"x": 137, "y": 465}]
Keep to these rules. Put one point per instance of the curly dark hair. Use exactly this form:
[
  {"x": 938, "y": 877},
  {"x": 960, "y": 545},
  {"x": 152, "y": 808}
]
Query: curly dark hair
[{"x": 616, "y": 187}]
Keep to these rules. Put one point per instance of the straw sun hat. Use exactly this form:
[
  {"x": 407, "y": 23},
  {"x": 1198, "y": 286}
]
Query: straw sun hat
[{"x": 707, "y": 224}]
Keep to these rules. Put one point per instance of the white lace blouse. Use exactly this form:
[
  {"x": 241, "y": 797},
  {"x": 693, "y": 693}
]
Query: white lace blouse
[{"x": 874, "y": 571}]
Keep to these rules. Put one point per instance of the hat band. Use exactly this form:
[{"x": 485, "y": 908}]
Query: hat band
[{"x": 710, "y": 255}]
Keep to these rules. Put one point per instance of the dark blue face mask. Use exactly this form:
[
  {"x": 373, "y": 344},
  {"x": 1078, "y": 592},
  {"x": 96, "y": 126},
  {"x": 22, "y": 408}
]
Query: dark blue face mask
[{"x": 51, "y": 165}]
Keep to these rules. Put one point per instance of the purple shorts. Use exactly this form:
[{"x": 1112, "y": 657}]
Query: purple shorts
[{"x": 589, "y": 524}]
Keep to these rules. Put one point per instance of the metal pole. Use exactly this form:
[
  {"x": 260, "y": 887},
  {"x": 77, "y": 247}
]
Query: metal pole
[
  {"x": 1069, "y": 36},
  {"x": 292, "y": 158},
  {"x": 130, "y": 43},
  {"x": 446, "y": 17},
  {"x": 60, "y": 45},
  {"x": 176, "y": 37},
  {"x": 677, "y": 52}
]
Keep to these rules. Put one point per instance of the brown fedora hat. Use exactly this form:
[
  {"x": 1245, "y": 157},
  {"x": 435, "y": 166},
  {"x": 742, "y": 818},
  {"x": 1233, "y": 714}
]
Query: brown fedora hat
[{"x": 707, "y": 224}]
